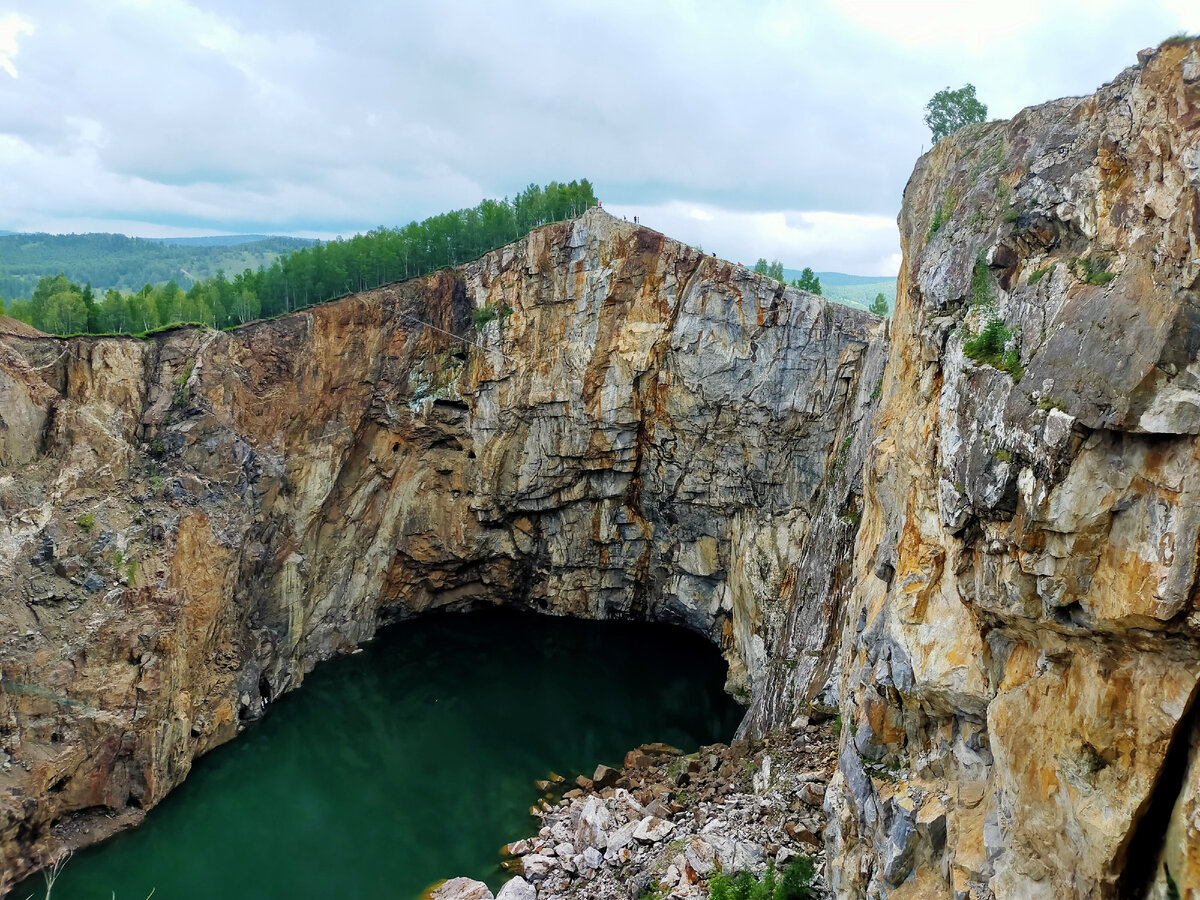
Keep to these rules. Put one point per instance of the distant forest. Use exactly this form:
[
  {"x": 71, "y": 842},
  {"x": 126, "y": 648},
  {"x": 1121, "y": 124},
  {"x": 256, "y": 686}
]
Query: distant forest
[
  {"x": 58, "y": 304},
  {"x": 125, "y": 263}
]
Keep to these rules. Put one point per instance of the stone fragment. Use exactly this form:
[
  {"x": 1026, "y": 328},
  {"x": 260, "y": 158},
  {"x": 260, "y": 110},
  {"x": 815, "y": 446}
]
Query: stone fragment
[
  {"x": 652, "y": 829},
  {"x": 700, "y": 855},
  {"x": 517, "y": 889},
  {"x": 811, "y": 793},
  {"x": 461, "y": 889},
  {"x": 621, "y": 837},
  {"x": 605, "y": 776},
  {"x": 536, "y": 867},
  {"x": 594, "y": 822}
]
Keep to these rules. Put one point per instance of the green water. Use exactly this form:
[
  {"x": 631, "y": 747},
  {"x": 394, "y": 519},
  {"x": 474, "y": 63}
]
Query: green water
[{"x": 411, "y": 761}]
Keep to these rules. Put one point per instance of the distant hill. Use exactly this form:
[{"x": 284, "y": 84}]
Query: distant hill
[
  {"x": 117, "y": 261},
  {"x": 227, "y": 240},
  {"x": 853, "y": 290}
]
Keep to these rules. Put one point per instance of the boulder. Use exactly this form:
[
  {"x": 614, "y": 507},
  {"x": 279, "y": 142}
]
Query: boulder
[
  {"x": 652, "y": 829},
  {"x": 461, "y": 889},
  {"x": 536, "y": 867},
  {"x": 517, "y": 889}
]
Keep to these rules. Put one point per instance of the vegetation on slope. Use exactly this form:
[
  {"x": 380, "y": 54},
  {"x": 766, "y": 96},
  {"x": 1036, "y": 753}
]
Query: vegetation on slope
[
  {"x": 125, "y": 263},
  {"x": 312, "y": 275}
]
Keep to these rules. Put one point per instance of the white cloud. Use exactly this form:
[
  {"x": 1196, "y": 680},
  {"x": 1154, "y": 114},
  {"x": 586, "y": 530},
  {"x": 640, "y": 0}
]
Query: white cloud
[
  {"x": 11, "y": 25},
  {"x": 824, "y": 241},
  {"x": 298, "y": 116}
]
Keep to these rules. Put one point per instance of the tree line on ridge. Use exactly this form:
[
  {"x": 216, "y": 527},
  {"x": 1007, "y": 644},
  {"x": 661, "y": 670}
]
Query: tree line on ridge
[{"x": 305, "y": 277}]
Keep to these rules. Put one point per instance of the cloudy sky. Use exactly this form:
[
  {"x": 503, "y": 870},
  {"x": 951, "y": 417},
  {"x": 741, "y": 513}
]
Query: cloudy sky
[{"x": 777, "y": 129}]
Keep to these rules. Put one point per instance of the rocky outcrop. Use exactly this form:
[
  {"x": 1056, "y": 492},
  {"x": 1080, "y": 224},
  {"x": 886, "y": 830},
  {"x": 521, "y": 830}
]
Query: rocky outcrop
[
  {"x": 667, "y": 823},
  {"x": 191, "y": 522},
  {"x": 1020, "y": 663},
  {"x": 637, "y": 430}
]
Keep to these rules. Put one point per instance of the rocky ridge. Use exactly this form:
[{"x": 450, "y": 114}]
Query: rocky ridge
[
  {"x": 1023, "y": 644},
  {"x": 195, "y": 520},
  {"x": 665, "y": 822},
  {"x": 987, "y": 556}
]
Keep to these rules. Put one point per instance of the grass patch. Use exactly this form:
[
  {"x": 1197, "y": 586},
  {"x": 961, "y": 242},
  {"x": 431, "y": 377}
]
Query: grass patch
[
  {"x": 180, "y": 397},
  {"x": 87, "y": 521},
  {"x": 1091, "y": 271},
  {"x": 1038, "y": 274},
  {"x": 1179, "y": 39},
  {"x": 490, "y": 312},
  {"x": 794, "y": 884},
  {"x": 1048, "y": 403},
  {"x": 941, "y": 214},
  {"x": 987, "y": 348},
  {"x": 982, "y": 293}
]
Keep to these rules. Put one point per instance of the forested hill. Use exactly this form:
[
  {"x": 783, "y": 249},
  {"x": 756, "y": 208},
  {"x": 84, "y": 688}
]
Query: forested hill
[
  {"x": 60, "y": 304},
  {"x": 125, "y": 263},
  {"x": 852, "y": 290}
]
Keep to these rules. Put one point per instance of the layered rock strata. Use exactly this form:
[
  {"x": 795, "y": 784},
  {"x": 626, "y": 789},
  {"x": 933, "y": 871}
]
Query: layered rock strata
[
  {"x": 189, "y": 523},
  {"x": 1019, "y": 666},
  {"x": 1013, "y": 632}
]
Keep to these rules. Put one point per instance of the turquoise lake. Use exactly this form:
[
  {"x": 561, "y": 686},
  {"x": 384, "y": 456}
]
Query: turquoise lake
[{"x": 411, "y": 761}]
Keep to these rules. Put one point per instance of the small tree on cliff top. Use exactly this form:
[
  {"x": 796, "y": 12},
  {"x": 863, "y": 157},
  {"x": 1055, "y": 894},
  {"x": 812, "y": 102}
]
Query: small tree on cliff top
[{"x": 949, "y": 111}]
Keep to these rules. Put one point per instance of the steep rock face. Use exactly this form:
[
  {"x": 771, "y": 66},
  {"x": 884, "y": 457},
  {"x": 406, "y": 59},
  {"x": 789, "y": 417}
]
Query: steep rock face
[
  {"x": 192, "y": 522},
  {"x": 1020, "y": 665}
]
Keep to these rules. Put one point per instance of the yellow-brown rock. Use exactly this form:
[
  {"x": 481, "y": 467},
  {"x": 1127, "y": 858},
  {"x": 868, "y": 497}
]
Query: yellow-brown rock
[
  {"x": 191, "y": 522},
  {"x": 1025, "y": 647}
]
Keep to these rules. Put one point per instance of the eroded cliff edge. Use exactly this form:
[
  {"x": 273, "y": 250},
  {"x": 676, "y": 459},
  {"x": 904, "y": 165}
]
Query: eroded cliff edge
[
  {"x": 192, "y": 522},
  {"x": 1020, "y": 665}
]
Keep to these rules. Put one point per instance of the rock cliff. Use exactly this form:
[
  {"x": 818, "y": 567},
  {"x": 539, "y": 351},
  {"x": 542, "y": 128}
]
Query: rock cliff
[
  {"x": 1019, "y": 667},
  {"x": 191, "y": 522},
  {"x": 989, "y": 553}
]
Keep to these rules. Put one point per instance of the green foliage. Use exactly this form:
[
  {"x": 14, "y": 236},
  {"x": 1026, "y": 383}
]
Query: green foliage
[
  {"x": 987, "y": 347},
  {"x": 1172, "y": 887},
  {"x": 87, "y": 521},
  {"x": 941, "y": 214},
  {"x": 948, "y": 110},
  {"x": 490, "y": 312},
  {"x": 307, "y": 276},
  {"x": 131, "y": 570},
  {"x": 181, "y": 392},
  {"x": 1179, "y": 38},
  {"x": 653, "y": 891},
  {"x": 770, "y": 269},
  {"x": 797, "y": 880},
  {"x": 794, "y": 884},
  {"x": 879, "y": 305},
  {"x": 1038, "y": 274},
  {"x": 982, "y": 293},
  {"x": 114, "y": 261},
  {"x": 1053, "y": 402},
  {"x": 1091, "y": 271},
  {"x": 808, "y": 281}
]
